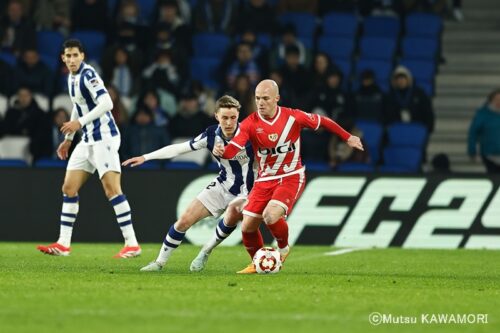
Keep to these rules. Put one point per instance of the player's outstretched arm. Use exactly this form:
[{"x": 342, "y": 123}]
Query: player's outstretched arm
[
  {"x": 134, "y": 161},
  {"x": 352, "y": 140},
  {"x": 166, "y": 152}
]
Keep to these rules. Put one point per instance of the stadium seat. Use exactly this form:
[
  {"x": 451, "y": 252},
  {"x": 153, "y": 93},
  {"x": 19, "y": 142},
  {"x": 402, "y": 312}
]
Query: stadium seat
[
  {"x": 355, "y": 167},
  {"x": 345, "y": 67},
  {"x": 205, "y": 71},
  {"x": 418, "y": 48},
  {"x": 305, "y": 24},
  {"x": 62, "y": 101},
  {"x": 404, "y": 158},
  {"x": 381, "y": 68},
  {"x": 317, "y": 166},
  {"x": 210, "y": 45},
  {"x": 372, "y": 137},
  {"x": 336, "y": 47},
  {"x": 377, "y": 48},
  {"x": 49, "y": 43},
  {"x": 146, "y": 9},
  {"x": 93, "y": 43},
  {"x": 424, "y": 25},
  {"x": 382, "y": 26},
  {"x": 15, "y": 147},
  {"x": 50, "y": 163},
  {"x": 423, "y": 72},
  {"x": 182, "y": 165},
  {"x": 427, "y": 87},
  {"x": 51, "y": 62},
  {"x": 4, "y": 105},
  {"x": 13, "y": 163},
  {"x": 8, "y": 58},
  {"x": 340, "y": 25},
  {"x": 394, "y": 169},
  {"x": 407, "y": 135}
]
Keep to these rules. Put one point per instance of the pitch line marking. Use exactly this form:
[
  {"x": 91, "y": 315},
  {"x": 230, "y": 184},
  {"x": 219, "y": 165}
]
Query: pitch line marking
[{"x": 343, "y": 251}]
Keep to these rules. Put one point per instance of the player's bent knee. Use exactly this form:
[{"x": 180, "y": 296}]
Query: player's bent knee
[
  {"x": 183, "y": 223},
  {"x": 69, "y": 190}
]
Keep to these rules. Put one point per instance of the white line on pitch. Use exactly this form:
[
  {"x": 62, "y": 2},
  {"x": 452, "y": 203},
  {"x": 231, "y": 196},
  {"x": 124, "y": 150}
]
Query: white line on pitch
[{"x": 343, "y": 251}]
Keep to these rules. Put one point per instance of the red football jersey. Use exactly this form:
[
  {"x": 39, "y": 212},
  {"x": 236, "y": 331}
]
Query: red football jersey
[{"x": 276, "y": 142}]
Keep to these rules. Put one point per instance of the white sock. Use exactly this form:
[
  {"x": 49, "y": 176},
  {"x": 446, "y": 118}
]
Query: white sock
[
  {"x": 222, "y": 231},
  {"x": 172, "y": 241},
  {"x": 69, "y": 212}
]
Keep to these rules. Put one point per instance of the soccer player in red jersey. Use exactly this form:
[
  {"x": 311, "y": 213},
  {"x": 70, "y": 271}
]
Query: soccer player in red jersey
[{"x": 274, "y": 132}]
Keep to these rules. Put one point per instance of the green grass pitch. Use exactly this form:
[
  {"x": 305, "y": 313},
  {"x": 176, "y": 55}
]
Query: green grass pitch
[{"x": 90, "y": 291}]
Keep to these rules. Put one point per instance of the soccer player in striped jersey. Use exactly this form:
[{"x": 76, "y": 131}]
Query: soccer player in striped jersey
[
  {"x": 274, "y": 132},
  {"x": 98, "y": 150},
  {"x": 227, "y": 192}
]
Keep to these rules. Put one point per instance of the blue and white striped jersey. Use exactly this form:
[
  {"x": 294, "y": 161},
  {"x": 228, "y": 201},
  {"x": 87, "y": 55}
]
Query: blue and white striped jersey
[
  {"x": 236, "y": 175},
  {"x": 84, "y": 88}
]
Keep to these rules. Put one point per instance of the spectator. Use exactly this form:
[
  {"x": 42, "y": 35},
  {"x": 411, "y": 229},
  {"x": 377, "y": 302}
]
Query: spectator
[
  {"x": 243, "y": 91},
  {"x": 7, "y": 79},
  {"x": 122, "y": 73},
  {"x": 407, "y": 102},
  {"x": 25, "y": 118},
  {"x": 151, "y": 102},
  {"x": 329, "y": 100},
  {"x": 297, "y": 75},
  {"x": 215, "y": 16},
  {"x": 17, "y": 32},
  {"x": 484, "y": 129},
  {"x": 189, "y": 120},
  {"x": 162, "y": 73},
  {"x": 205, "y": 98},
  {"x": 321, "y": 68},
  {"x": 53, "y": 15},
  {"x": 170, "y": 20},
  {"x": 369, "y": 102},
  {"x": 289, "y": 38},
  {"x": 244, "y": 64},
  {"x": 119, "y": 111},
  {"x": 34, "y": 74},
  {"x": 90, "y": 15},
  {"x": 143, "y": 136},
  {"x": 287, "y": 95},
  {"x": 131, "y": 32},
  {"x": 259, "y": 16}
]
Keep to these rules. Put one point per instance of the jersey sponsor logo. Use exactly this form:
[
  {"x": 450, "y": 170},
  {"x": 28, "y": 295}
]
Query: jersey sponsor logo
[
  {"x": 273, "y": 137},
  {"x": 283, "y": 149}
]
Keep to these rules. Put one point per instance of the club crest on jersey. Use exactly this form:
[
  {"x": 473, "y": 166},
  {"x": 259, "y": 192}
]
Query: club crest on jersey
[{"x": 273, "y": 137}]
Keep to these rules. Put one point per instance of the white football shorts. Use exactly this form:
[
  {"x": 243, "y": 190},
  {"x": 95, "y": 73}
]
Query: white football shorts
[
  {"x": 102, "y": 155},
  {"x": 216, "y": 198}
]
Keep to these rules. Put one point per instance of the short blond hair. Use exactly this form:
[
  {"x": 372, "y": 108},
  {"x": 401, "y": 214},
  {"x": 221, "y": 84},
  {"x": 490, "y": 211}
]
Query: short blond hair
[{"x": 227, "y": 101}]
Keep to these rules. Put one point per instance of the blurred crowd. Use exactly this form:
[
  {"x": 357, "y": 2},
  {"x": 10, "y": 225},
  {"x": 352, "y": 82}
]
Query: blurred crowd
[{"x": 145, "y": 65}]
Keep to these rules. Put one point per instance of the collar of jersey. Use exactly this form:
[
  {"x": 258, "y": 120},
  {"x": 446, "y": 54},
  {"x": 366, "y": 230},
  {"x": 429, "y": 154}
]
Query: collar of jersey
[
  {"x": 275, "y": 117},
  {"x": 218, "y": 132}
]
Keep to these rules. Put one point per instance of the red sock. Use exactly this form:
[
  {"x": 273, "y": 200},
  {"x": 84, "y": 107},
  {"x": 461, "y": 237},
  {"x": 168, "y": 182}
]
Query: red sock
[
  {"x": 279, "y": 230},
  {"x": 253, "y": 241}
]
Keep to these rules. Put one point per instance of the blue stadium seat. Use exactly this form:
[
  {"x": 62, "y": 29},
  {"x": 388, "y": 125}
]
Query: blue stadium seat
[
  {"x": 305, "y": 24},
  {"x": 50, "y": 163},
  {"x": 355, "y": 167},
  {"x": 205, "y": 71},
  {"x": 307, "y": 41},
  {"x": 382, "y": 26},
  {"x": 9, "y": 163},
  {"x": 93, "y": 43},
  {"x": 406, "y": 158},
  {"x": 377, "y": 48},
  {"x": 184, "y": 165},
  {"x": 407, "y": 135},
  {"x": 340, "y": 25},
  {"x": 423, "y": 71},
  {"x": 210, "y": 45},
  {"x": 146, "y": 9},
  {"x": 424, "y": 25},
  {"x": 336, "y": 47},
  {"x": 427, "y": 87},
  {"x": 372, "y": 137},
  {"x": 8, "y": 58},
  {"x": 381, "y": 68},
  {"x": 49, "y": 42},
  {"x": 345, "y": 67},
  {"x": 394, "y": 169},
  {"x": 418, "y": 48},
  {"x": 51, "y": 61}
]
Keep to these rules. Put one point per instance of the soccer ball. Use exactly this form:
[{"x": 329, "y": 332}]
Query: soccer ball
[{"x": 267, "y": 260}]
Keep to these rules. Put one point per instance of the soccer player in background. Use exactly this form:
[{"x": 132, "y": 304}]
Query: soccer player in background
[
  {"x": 98, "y": 150},
  {"x": 274, "y": 132},
  {"x": 227, "y": 192}
]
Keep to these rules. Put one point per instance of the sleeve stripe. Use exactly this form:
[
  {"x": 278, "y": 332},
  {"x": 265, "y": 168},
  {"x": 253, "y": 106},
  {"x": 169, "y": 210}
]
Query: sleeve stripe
[
  {"x": 319, "y": 123},
  {"x": 237, "y": 145},
  {"x": 100, "y": 92}
]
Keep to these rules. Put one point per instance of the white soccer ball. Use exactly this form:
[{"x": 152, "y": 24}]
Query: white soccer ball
[{"x": 267, "y": 260}]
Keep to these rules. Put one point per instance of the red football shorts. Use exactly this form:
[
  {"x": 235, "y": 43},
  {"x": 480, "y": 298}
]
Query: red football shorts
[{"x": 284, "y": 192}]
